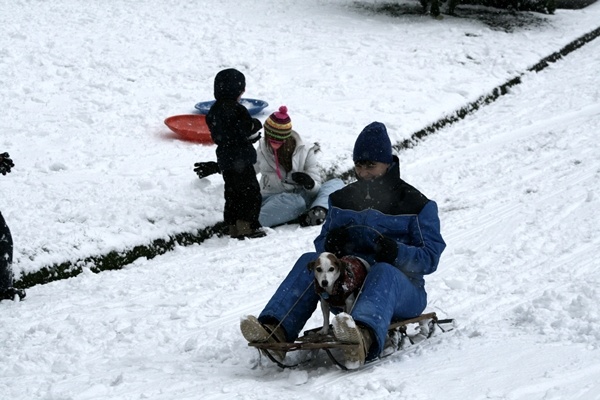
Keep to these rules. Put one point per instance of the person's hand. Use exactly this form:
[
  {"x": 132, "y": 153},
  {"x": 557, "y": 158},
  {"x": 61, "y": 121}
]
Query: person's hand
[
  {"x": 5, "y": 163},
  {"x": 386, "y": 250},
  {"x": 254, "y": 137},
  {"x": 302, "y": 178},
  {"x": 336, "y": 241},
  {"x": 204, "y": 169}
]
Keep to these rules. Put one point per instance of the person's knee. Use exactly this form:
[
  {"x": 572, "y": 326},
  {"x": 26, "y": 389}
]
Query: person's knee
[
  {"x": 301, "y": 265},
  {"x": 307, "y": 257},
  {"x": 383, "y": 268},
  {"x": 334, "y": 184}
]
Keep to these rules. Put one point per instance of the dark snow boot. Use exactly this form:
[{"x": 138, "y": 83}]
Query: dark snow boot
[
  {"x": 312, "y": 217},
  {"x": 255, "y": 332},
  {"x": 245, "y": 230},
  {"x": 12, "y": 294}
]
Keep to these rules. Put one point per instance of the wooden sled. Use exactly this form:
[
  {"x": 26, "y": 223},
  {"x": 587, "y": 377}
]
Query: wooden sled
[{"x": 314, "y": 341}]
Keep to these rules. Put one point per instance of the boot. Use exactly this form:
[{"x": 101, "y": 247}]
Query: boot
[
  {"x": 12, "y": 293},
  {"x": 244, "y": 230},
  {"x": 255, "y": 332},
  {"x": 232, "y": 231},
  {"x": 346, "y": 331},
  {"x": 312, "y": 217}
]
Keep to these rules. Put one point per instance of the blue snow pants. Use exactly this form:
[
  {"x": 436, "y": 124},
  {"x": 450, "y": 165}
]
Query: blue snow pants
[
  {"x": 387, "y": 295},
  {"x": 280, "y": 208}
]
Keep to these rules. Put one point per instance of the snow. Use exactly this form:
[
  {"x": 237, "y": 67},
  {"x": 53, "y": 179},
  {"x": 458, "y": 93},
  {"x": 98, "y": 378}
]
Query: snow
[{"x": 85, "y": 90}]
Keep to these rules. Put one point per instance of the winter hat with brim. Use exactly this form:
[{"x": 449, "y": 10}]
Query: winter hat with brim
[
  {"x": 229, "y": 84},
  {"x": 373, "y": 144},
  {"x": 278, "y": 125}
]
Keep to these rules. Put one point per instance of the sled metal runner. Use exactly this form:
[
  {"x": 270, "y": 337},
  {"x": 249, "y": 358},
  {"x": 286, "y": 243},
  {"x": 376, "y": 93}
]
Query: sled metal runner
[{"x": 314, "y": 341}]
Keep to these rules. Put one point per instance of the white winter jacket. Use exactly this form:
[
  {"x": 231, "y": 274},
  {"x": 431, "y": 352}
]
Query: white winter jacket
[{"x": 304, "y": 160}]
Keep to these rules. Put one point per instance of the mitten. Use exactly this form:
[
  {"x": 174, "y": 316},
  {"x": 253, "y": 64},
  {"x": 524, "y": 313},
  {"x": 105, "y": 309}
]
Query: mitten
[
  {"x": 336, "y": 241},
  {"x": 254, "y": 128},
  {"x": 302, "y": 178},
  {"x": 254, "y": 138},
  {"x": 204, "y": 169},
  {"x": 386, "y": 250},
  {"x": 5, "y": 163}
]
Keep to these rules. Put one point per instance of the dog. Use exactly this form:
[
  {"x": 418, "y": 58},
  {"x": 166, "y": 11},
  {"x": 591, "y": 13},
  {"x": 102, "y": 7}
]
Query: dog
[{"x": 337, "y": 282}]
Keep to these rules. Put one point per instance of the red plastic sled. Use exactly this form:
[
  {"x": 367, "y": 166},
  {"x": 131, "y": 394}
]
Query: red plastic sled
[{"x": 190, "y": 127}]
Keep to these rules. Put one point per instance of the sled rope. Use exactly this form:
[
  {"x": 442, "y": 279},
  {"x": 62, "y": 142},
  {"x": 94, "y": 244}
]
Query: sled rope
[
  {"x": 289, "y": 311},
  {"x": 267, "y": 352}
]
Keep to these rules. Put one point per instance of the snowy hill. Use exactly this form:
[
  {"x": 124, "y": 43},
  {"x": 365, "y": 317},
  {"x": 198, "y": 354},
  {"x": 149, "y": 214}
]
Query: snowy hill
[{"x": 517, "y": 183}]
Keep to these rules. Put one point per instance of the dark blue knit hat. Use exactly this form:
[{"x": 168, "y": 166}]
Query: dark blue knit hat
[{"x": 373, "y": 144}]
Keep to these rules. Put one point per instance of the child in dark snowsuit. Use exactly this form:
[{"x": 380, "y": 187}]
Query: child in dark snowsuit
[{"x": 234, "y": 131}]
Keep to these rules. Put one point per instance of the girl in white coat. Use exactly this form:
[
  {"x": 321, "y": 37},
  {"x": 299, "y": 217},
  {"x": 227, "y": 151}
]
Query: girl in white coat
[{"x": 290, "y": 182}]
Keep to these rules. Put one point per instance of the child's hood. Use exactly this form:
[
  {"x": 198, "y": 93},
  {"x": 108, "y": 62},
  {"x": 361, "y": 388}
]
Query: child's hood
[{"x": 229, "y": 84}]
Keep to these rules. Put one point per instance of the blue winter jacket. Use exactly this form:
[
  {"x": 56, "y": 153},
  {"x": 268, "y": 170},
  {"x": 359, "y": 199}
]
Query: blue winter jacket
[{"x": 390, "y": 207}]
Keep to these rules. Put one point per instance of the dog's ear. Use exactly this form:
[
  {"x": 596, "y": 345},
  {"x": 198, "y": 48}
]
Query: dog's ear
[
  {"x": 341, "y": 264},
  {"x": 311, "y": 265}
]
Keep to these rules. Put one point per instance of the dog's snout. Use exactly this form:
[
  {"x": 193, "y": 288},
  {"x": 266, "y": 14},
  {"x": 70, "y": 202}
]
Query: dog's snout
[{"x": 324, "y": 283}]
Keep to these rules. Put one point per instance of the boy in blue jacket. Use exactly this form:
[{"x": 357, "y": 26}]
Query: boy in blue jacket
[
  {"x": 234, "y": 131},
  {"x": 381, "y": 219}
]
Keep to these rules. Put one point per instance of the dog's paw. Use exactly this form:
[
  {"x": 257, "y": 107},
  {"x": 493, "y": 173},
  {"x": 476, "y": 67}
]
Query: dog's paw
[{"x": 324, "y": 330}]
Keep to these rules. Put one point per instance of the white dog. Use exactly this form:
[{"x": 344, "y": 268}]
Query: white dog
[{"x": 338, "y": 282}]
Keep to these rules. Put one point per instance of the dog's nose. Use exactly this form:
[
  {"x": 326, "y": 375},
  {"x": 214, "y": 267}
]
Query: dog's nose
[{"x": 324, "y": 283}]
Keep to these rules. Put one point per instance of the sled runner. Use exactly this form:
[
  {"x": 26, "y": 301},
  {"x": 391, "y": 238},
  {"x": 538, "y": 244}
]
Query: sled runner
[{"x": 314, "y": 341}]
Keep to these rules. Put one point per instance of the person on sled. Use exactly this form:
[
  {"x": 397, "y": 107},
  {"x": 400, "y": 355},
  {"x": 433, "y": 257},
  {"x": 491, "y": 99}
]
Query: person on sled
[{"x": 381, "y": 219}]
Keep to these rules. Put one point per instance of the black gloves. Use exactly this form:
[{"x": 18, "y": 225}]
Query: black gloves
[
  {"x": 386, "y": 250},
  {"x": 5, "y": 163},
  {"x": 302, "y": 178},
  {"x": 337, "y": 241},
  {"x": 256, "y": 126},
  {"x": 204, "y": 169},
  {"x": 254, "y": 137}
]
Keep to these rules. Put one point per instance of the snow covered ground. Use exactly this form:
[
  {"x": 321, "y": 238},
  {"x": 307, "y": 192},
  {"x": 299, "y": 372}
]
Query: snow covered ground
[{"x": 85, "y": 90}]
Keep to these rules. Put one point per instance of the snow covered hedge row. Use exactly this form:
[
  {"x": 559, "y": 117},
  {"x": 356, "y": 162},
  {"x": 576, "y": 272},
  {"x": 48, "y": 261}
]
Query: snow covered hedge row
[{"x": 114, "y": 259}]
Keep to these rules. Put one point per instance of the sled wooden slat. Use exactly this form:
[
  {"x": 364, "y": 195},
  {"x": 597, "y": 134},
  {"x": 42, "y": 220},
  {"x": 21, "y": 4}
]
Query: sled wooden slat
[
  {"x": 405, "y": 322},
  {"x": 312, "y": 340},
  {"x": 301, "y": 345}
]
